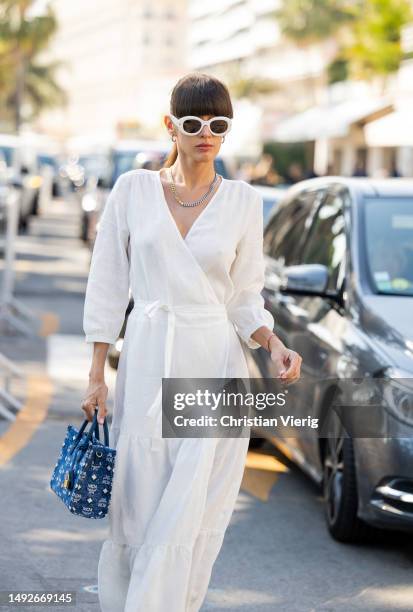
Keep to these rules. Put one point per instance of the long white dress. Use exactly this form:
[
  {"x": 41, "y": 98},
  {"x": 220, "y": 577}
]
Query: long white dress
[{"x": 197, "y": 302}]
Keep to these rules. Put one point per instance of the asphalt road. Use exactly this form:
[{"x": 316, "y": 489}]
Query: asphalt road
[{"x": 276, "y": 555}]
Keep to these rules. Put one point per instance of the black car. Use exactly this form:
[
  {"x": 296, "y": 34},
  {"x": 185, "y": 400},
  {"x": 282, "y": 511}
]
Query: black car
[{"x": 339, "y": 282}]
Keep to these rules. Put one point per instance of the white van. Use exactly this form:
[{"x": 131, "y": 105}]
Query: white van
[{"x": 19, "y": 167}]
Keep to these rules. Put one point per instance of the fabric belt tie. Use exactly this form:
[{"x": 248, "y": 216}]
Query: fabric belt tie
[{"x": 150, "y": 308}]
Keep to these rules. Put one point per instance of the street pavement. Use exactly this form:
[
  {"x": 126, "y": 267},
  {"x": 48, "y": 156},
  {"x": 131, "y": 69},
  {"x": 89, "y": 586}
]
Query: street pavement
[{"x": 276, "y": 555}]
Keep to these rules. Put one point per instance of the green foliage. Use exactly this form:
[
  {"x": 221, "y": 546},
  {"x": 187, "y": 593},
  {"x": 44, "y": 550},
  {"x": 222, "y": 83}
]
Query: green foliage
[
  {"x": 306, "y": 21},
  {"x": 368, "y": 32},
  {"x": 338, "y": 70},
  {"x": 244, "y": 87},
  {"x": 285, "y": 154},
  {"x": 24, "y": 79},
  {"x": 375, "y": 48}
]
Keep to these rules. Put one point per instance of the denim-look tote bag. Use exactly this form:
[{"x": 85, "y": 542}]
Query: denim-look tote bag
[{"x": 82, "y": 476}]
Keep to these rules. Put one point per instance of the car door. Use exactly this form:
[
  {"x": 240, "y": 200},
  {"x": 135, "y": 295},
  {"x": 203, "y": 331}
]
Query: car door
[
  {"x": 310, "y": 324},
  {"x": 284, "y": 237},
  {"x": 320, "y": 321}
]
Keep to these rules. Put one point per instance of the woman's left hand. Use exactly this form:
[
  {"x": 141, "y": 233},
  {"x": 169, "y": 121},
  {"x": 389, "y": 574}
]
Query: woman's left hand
[{"x": 288, "y": 362}]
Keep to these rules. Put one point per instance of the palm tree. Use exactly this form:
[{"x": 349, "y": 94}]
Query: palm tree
[
  {"x": 367, "y": 32},
  {"x": 26, "y": 82}
]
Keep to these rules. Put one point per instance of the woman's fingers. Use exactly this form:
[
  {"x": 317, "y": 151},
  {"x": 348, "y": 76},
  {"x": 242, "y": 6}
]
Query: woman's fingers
[
  {"x": 88, "y": 406},
  {"x": 102, "y": 411},
  {"x": 292, "y": 372},
  {"x": 287, "y": 364},
  {"x": 96, "y": 399},
  {"x": 279, "y": 366}
]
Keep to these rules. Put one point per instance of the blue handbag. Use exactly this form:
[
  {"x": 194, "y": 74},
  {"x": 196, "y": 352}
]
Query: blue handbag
[{"x": 82, "y": 476}]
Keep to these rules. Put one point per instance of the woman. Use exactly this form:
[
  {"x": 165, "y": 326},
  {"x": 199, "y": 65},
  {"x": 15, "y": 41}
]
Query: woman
[{"x": 189, "y": 245}]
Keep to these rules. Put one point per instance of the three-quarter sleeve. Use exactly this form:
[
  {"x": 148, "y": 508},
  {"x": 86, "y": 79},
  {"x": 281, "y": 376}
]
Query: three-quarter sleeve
[
  {"x": 246, "y": 307},
  {"x": 107, "y": 290}
]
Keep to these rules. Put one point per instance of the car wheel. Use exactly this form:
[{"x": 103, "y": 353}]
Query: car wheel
[{"x": 340, "y": 491}]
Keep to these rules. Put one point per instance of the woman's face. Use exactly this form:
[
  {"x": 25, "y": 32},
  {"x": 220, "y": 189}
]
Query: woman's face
[{"x": 202, "y": 147}]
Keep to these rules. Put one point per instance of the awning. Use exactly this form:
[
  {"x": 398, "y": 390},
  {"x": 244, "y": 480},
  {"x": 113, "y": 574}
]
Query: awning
[
  {"x": 330, "y": 120},
  {"x": 394, "y": 130}
]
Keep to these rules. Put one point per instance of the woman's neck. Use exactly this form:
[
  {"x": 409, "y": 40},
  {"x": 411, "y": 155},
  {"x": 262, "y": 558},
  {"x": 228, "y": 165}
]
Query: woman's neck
[{"x": 193, "y": 174}]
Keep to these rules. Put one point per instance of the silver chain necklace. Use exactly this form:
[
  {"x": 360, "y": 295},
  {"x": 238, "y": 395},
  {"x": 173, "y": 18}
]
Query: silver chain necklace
[{"x": 195, "y": 202}]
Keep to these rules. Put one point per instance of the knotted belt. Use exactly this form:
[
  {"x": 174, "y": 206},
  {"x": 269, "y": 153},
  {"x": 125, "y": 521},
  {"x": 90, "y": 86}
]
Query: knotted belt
[{"x": 150, "y": 309}]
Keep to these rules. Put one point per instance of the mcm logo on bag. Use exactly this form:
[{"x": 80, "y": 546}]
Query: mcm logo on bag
[{"x": 82, "y": 476}]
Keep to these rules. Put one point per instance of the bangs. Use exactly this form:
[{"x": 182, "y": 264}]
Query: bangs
[{"x": 201, "y": 95}]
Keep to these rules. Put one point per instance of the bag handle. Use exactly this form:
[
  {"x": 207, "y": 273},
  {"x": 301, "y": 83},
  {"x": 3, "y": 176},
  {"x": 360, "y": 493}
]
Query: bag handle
[{"x": 93, "y": 428}]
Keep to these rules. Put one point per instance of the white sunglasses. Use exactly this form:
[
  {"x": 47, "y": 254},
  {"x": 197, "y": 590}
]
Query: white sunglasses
[{"x": 190, "y": 125}]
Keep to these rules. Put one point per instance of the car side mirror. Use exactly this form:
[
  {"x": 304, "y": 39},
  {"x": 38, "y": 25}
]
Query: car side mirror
[{"x": 307, "y": 279}]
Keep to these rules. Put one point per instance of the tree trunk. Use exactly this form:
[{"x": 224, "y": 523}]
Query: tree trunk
[{"x": 20, "y": 81}]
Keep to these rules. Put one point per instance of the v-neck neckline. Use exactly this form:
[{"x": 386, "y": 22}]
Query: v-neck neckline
[{"x": 162, "y": 193}]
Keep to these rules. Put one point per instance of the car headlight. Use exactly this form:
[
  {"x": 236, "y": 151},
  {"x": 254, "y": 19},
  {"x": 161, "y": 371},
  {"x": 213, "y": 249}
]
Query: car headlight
[
  {"x": 89, "y": 202},
  {"x": 398, "y": 393}
]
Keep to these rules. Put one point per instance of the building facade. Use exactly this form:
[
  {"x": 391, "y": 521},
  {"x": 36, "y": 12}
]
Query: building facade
[{"x": 121, "y": 60}]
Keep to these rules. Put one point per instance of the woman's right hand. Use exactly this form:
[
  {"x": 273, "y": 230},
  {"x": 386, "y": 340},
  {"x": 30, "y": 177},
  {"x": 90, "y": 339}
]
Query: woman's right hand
[
  {"x": 96, "y": 395},
  {"x": 288, "y": 362}
]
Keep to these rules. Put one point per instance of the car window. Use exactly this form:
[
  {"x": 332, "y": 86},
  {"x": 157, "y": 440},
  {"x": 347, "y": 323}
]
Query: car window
[
  {"x": 388, "y": 240},
  {"x": 326, "y": 241},
  {"x": 287, "y": 230}
]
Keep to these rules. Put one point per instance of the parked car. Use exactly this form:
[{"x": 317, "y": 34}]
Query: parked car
[
  {"x": 270, "y": 196},
  {"x": 18, "y": 160},
  {"x": 339, "y": 282},
  {"x": 53, "y": 164},
  {"x": 4, "y": 195}
]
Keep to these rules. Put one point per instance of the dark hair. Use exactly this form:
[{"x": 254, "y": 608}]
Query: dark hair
[{"x": 198, "y": 94}]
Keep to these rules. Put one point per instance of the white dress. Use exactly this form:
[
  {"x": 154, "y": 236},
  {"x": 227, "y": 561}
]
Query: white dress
[{"x": 197, "y": 301}]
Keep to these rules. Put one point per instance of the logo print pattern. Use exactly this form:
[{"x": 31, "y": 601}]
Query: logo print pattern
[{"x": 82, "y": 476}]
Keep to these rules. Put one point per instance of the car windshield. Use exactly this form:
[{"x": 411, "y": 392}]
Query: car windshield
[
  {"x": 267, "y": 208},
  {"x": 389, "y": 244},
  {"x": 123, "y": 161}
]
